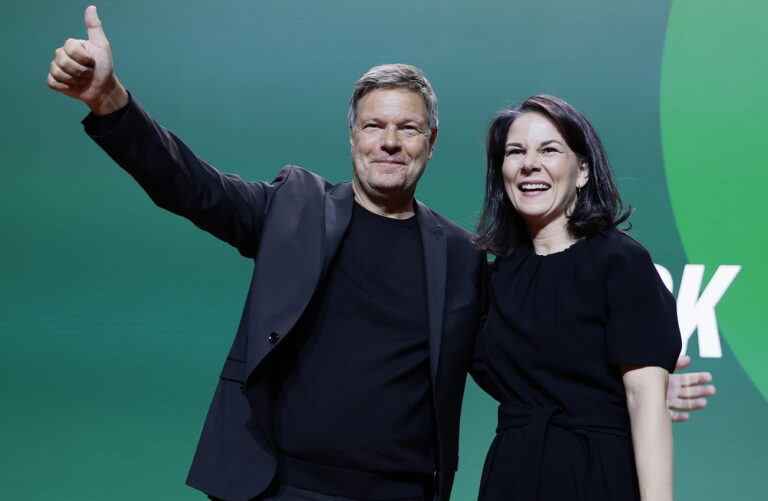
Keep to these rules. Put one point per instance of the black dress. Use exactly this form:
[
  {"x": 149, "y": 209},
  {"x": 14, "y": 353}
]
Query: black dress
[{"x": 558, "y": 329}]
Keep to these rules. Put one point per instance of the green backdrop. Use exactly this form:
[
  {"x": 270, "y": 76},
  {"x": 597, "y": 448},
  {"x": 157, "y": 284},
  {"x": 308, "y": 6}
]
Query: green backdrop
[{"x": 115, "y": 316}]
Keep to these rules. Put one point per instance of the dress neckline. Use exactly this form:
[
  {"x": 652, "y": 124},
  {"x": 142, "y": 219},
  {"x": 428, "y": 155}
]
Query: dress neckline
[{"x": 558, "y": 253}]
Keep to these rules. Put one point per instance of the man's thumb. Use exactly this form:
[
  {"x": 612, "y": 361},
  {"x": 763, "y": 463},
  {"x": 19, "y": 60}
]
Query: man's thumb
[{"x": 93, "y": 24}]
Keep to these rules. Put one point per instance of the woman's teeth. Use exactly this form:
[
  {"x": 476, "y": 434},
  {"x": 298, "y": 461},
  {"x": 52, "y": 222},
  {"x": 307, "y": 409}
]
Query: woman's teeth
[{"x": 534, "y": 187}]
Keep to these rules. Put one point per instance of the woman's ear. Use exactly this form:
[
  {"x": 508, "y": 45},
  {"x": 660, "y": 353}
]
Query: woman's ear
[{"x": 583, "y": 176}]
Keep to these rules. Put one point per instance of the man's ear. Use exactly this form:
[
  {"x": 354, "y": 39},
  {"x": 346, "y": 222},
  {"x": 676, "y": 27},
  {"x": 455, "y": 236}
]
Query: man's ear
[{"x": 432, "y": 139}]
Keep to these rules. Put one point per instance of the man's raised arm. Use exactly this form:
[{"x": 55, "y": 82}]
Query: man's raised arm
[{"x": 172, "y": 175}]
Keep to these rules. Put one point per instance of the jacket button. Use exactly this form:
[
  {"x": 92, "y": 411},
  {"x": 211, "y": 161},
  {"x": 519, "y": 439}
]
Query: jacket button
[{"x": 274, "y": 337}]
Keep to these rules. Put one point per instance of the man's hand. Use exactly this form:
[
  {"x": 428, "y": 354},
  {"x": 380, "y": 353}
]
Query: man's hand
[
  {"x": 83, "y": 69},
  {"x": 687, "y": 391}
]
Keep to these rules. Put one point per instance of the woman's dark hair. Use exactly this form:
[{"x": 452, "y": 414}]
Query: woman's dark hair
[{"x": 598, "y": 206}]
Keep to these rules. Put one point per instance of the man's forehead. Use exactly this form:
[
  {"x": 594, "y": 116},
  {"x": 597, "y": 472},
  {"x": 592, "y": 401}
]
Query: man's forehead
[{"x": 381, "y": 103}]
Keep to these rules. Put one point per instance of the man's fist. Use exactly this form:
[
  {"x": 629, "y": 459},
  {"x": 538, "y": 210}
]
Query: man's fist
[{"x": 83, "y": 69}]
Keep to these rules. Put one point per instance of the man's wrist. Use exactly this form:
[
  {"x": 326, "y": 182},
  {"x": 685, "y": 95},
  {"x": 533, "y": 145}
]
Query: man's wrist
[
  {"x": 102, "y": 125},
  {"x": 110, "y": 101}
]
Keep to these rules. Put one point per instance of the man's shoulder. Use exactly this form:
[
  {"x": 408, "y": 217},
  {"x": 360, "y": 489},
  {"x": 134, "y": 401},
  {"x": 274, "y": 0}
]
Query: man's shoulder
[
  {"x": 294, "y": 182},
  {"x": 456, "y": 234},
  {"x": 295, "y": 189},
  {"x": 298, "y": 175}
]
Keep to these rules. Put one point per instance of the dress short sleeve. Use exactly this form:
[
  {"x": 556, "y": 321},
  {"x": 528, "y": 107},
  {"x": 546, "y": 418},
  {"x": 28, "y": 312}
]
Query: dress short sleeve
[{"x": 641, "y": 325}]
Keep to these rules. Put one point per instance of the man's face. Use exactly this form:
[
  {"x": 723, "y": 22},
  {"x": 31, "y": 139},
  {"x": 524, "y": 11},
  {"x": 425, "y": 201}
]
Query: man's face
[{"x": 391, "y": 143}]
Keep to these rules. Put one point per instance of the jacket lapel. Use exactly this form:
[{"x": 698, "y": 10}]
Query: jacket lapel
[
  {"x": 305, "y": 245},
  {"x": 435, "y": 267},
  {"x": 338, "y": 212}
]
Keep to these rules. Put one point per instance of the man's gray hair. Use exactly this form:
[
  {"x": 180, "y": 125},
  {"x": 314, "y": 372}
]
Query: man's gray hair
[{"x": 395, "y": 76}]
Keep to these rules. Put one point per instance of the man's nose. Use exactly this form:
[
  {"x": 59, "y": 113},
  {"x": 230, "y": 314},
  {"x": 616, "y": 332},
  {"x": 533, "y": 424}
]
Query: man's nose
[{"x": 390, "y": 140}]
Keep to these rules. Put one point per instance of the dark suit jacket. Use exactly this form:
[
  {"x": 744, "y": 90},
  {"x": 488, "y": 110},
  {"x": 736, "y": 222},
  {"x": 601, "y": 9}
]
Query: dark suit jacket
[{"x": 292, "y": 227}]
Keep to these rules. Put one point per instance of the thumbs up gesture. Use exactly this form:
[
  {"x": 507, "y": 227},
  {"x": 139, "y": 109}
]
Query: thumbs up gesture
[{"x": 83, "y": 69}]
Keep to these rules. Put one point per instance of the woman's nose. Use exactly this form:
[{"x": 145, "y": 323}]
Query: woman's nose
[{"x": 531, "y": 164}]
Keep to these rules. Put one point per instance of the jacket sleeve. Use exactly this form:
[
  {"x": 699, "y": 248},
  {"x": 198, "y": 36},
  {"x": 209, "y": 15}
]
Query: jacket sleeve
[
  {"x": 179, "y": 181},
  {"x": 479, "y": 371}
]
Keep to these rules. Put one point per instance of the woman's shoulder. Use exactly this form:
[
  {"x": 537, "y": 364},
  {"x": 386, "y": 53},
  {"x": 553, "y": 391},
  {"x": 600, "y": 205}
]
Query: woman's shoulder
[
  {"x": 613, "y": 251},
  {"x": 614, "y": 243}
]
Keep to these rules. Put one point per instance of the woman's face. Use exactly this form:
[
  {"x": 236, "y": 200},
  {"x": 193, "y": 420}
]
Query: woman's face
[{"x": 541, "y": 173}]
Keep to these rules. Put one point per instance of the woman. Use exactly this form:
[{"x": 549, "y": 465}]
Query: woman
[{"x": 581, "y": 334}]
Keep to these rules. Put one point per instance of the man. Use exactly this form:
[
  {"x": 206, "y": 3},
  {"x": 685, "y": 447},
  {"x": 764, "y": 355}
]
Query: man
[{"x": 347, "y": 372}]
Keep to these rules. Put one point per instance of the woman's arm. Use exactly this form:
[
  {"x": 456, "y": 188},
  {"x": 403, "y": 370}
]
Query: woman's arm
[{"x": 646, "y": 388}]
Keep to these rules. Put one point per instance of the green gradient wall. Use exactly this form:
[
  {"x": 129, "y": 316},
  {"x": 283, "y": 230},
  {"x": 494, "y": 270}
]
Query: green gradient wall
[{"x": 115, "y": 316}]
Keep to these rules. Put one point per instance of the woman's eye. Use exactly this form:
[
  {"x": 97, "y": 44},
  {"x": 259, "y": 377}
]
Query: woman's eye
[{"x": 514, "y": 151}]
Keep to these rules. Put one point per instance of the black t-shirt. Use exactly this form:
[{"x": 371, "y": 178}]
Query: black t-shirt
[{"x": 352, "y": 379}]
